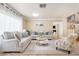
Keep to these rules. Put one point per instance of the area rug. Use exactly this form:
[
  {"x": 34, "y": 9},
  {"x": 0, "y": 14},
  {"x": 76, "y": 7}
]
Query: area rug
[{"x": 35, "y": 46}]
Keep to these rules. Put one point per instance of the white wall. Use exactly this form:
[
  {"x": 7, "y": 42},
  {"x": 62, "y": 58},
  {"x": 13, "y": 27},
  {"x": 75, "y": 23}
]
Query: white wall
[
  {"x": 31, "y": 25},
  {"x": 8, "y": 23}
]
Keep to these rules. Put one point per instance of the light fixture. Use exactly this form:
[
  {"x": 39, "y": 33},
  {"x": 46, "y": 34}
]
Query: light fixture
[{"x": 35, "y": 14}]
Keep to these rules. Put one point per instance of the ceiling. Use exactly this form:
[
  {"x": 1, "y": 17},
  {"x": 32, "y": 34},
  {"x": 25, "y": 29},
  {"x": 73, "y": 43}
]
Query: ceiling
[{"x": 52, "y": 10}]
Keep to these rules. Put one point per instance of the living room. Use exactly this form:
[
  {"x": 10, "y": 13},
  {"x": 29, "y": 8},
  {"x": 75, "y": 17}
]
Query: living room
[{"x": 38, "y": 29}]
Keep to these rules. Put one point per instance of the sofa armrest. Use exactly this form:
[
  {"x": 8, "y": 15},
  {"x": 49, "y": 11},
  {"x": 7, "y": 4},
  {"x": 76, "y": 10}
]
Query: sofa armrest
[{"x": 10, "y": 44}]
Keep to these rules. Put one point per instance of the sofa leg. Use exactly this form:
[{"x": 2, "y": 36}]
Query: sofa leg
[
  {"x": 68, "y": 52},
  {"x": 56, "y": 48}
]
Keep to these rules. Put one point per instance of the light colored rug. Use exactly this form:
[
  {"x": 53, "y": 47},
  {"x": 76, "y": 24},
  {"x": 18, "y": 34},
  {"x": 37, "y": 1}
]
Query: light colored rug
[{"x": 35, "y": 46}]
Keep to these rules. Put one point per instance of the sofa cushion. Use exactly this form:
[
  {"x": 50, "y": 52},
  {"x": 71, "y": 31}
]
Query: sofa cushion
[
  {"x": 24, "y": 34},
  {"x": 25, "y": 40},
  {"x": 20, "y": 35},
  {"x": 1, "y": 37},
  {"x": 9, "y": 35},
  {"x": 47, "y": 33},
  {"x": 36, "y": 33}
]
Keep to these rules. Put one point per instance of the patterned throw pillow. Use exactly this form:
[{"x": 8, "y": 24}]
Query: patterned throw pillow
[
  {"x": 36, "y": 33},
  {"x": 47, "y": 33},
  {"x": 24, "y": 34},
  {"x": 9, "y": 35}
]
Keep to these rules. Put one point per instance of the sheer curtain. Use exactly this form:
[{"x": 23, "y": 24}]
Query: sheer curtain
[{"x": 8, "y": 23}]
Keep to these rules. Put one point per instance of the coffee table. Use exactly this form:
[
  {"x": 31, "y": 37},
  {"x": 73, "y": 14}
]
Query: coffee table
[{"x": 42, "y": 41}]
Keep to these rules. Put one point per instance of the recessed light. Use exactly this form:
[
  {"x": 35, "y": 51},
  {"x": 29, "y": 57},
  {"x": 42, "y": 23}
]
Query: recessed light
[{"x": 35, "y": 14}]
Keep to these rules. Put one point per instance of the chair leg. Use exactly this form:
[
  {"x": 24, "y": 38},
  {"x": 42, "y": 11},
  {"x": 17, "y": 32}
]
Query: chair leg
[{"x": 68, "y": 52}]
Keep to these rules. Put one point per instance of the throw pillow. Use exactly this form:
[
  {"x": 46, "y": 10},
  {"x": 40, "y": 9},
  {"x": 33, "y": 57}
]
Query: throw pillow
[
  {"x": 24, "y": 34},
  {"x": 9, "y": 35}
]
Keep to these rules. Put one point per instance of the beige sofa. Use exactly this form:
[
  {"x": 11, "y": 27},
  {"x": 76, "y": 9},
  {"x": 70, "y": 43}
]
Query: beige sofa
[
  {"x": 66, "y": 43},
  {"x": 16, "y": 44},
  {"x": 47, "y": 35}
]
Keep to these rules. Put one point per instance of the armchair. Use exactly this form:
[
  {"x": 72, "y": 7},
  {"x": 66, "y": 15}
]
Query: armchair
[{"x": 66, "y": 43}]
